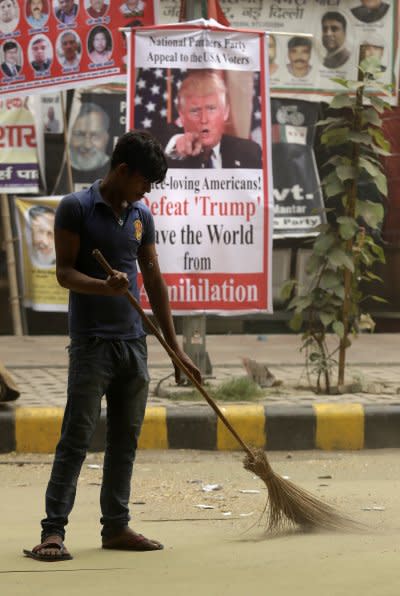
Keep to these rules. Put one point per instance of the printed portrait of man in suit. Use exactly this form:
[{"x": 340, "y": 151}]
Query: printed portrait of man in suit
[
  {"x": 41, "y": 53},
  {"x": 334, "y": 27},
  {"x": 10, "y": 65},
  {"x": 203, "y": 109}
]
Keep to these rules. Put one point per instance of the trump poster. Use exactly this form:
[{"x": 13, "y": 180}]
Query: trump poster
[
  {"x": 192, "y": 86},
  {"x": 35, "y": 223},
  {"x": 61, "y": 44}
]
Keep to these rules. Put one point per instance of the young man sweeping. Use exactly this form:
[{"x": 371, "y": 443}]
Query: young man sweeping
[{"x": 108, "y": 354}]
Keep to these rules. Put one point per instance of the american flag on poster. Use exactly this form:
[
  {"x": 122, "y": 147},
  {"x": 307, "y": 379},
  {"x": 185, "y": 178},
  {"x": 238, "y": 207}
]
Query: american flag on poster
[{"x": 154, "y": 90}]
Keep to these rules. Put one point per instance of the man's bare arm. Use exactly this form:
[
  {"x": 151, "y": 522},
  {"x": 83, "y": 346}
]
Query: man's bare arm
[{"x": 67, "y": 248}]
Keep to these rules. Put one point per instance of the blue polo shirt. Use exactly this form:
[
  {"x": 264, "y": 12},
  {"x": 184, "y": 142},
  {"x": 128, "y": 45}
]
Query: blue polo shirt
[{"x": 87, "y": 214}]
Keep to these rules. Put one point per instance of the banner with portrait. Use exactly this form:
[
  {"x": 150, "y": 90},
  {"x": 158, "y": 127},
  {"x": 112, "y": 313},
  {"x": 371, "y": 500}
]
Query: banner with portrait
[
  {"x": 194, "y": 89},
  {"x": 19, "y": 170},
  {"x": 298, "y": 199},
  {"x": 344, "y": 32},
  {"x": 97, "y": 120},
  {"x": 48, "y": 44},
  {"x": 35, "y": 222}
]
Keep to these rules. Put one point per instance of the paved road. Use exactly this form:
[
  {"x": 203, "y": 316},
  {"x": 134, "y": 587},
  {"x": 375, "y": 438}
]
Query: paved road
[{"x": 208, "y": 553}]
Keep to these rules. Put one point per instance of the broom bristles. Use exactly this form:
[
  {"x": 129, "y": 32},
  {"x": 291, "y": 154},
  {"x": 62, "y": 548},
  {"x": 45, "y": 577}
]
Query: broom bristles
[{"x": 290, "y": 505}]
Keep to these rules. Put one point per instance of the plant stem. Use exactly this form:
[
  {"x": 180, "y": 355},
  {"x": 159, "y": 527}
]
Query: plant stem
[{"x": 350, "y": 211}]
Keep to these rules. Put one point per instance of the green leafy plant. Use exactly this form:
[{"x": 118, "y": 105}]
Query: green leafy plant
[
  {"x": 347, "y": 247},
  {"x": 236, "y": 389}
]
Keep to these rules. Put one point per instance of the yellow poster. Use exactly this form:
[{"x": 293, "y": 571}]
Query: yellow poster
[{"x": 35, "y": 219}]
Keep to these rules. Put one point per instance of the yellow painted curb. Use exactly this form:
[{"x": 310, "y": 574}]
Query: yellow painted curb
[
  {"x": 37, "y": 430},
  {"x": 154, "y": 433},
  {"x": 248, "y": 421},
  {"x": 339, "y": 426}
]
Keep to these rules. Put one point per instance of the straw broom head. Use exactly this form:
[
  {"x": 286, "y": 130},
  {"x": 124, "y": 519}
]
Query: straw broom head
[{"x": 290, "y": 505}]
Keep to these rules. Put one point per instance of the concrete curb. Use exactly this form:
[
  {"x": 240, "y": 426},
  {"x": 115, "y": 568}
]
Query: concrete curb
[{"x": 331, "y": 426}]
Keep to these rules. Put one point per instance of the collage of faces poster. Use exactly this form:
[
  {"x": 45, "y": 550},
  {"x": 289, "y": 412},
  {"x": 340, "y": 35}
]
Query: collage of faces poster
[
  {"x": 56, "y": 44},
  {"x": 194, "y": 87},
  {"x": 341, "y": 33}
]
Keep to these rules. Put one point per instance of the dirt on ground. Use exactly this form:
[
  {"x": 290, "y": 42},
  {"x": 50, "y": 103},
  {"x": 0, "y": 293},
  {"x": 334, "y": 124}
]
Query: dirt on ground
[{"x": 207, "y": 510}]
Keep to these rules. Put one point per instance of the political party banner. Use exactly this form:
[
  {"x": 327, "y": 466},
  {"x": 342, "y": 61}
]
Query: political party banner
[
  {"x": 19, "y": 170},
  {"x": 97, "y": 120},
  {"x": 35, "y": 222},
  {"x": 299, "y": 205},
  {"x": 344, "y": 32},
  {"x": 55, "y": 44},
  {"x": 194, "y": 86}
]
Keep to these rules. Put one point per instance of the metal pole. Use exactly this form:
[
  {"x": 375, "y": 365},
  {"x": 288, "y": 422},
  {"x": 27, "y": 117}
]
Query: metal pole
[
  {"x": 194, "y": 326},
  {"x": 66, "y": 146},
  {"x": 194, "y": 333},
  {"x": 11, "y": 266}
]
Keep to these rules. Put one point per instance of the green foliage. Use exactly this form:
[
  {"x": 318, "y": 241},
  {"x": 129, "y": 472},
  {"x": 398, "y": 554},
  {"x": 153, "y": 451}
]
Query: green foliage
[
  {"x": 236, "y": 389},
  {"x": 345, "y": 250},
  {"x": 239, "y": 389}
]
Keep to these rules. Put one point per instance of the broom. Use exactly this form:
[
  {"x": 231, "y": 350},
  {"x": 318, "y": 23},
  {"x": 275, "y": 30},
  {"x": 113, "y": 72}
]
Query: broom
[{"x": 287, "y": 505}]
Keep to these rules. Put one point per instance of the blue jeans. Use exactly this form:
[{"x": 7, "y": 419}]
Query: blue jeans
[{"x": 118, "y": 369}]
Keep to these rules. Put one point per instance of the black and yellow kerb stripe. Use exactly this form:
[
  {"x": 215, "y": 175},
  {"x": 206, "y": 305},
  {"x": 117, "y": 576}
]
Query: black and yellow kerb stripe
[{"x": 328, "y": 426}]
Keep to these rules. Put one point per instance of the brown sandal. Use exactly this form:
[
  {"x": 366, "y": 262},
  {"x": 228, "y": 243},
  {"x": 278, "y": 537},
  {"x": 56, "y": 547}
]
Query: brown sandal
[
  {"x": 127, "y": 539},
  {"x": 47, "y": 544}
]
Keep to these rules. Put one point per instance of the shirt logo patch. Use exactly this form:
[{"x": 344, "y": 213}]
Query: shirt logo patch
[{"x": 138, "y": 228}]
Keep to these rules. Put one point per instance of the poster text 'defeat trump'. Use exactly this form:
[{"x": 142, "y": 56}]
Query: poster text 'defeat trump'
[{"x": 194, "y": 87}]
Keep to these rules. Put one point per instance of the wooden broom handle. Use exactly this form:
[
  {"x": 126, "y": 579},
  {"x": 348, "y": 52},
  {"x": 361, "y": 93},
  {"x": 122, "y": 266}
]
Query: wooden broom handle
[{"x": 174, "y": 357}]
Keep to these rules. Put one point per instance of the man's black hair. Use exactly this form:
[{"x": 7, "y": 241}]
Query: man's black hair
[
  {"x": 9, "y": 45},
  {"x": 39, "y": 41},
  {"x": 105, "y": 32},
  {"x": 142, "y": 153},
  {"x": 38, "y": 210},
  {"x": 294, "y": 42},
  {"x": 334, "y": 16}
]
